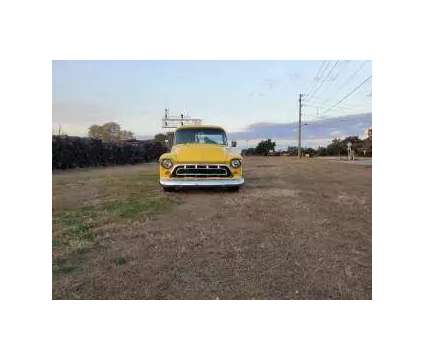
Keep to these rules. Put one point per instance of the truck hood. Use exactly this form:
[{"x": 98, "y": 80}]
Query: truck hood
[{"x": 202, "y": 153}]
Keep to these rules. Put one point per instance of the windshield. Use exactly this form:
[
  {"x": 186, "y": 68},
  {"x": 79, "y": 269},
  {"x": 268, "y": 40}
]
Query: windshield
[{"x": 200, "y": 136}]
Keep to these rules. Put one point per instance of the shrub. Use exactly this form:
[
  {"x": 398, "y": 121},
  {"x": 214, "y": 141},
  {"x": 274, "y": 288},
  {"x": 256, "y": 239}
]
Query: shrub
[{"x": 71, "y": 151}]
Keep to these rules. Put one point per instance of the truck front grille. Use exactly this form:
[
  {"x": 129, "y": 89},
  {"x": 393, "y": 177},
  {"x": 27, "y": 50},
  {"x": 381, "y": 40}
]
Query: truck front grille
[{"x": 201, "y": 170}]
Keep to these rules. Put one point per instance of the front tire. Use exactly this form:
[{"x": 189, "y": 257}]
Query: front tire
[{"x": 234, "y": 188}]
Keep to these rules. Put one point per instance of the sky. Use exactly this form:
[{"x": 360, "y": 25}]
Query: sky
[{"x": 238, "y": 95}]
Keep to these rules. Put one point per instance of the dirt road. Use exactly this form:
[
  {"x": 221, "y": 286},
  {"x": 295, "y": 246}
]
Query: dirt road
[{"x": 297, "y": 230}]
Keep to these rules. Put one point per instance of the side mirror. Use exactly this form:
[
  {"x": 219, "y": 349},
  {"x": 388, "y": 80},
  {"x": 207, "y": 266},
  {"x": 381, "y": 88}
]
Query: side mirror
[{"x": 233, "y": 143}]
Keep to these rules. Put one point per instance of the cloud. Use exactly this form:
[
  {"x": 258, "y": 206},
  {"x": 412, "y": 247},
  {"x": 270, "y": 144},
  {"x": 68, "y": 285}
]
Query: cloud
[{"x": 319, "y": 131}]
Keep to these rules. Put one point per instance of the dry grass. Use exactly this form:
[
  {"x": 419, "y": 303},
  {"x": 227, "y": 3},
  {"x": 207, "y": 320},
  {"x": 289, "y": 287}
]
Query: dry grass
[
  {"x": 87, "y": 201},
  {"x": 297, "y": 230}
]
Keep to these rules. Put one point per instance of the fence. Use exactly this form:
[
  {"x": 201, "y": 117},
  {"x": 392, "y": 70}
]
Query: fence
[{"x": 71, "y": 152}]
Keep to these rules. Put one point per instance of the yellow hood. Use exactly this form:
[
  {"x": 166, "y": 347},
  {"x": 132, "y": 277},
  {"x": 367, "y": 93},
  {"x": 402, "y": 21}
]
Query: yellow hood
[{"x": 202, "y": 153}]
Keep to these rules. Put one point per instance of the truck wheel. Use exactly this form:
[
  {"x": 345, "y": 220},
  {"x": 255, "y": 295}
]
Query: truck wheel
[
  {"x": 234, "y": 188},
  {"x": 168, "y": 189}
]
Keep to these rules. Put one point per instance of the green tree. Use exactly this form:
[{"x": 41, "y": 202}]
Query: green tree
[
  {"x": 265, "y": 146},
  {"x": 336, "y": 148},
  {"x": 160, "y": 137},
  {"x": 367, "y": 147},
  {"x": 322, "y": 151},
  {"x": 126, "y": 135},
  {"x": 95, "y": 132},
  {"x": 109, "y": 132},
  {"x": 339, "y": 147},
  {"x": 357, "y": 143}
]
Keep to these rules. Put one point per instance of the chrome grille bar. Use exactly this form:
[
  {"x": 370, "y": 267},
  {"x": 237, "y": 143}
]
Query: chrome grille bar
[{"x": 201, "y": 170}]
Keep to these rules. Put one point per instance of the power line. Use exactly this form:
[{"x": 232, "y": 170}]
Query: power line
[
  {"x": 324, "y": 74},
  {"x": 316, "y": 76},
  {"x": 351, "y": 77},
  {"x": 347, "y": 95},
  {"x": 321, "y": 103},
  {"x": 346, "y": 82},
  {"x": 324, "y": 80},
  {"x": 319, "y": 77},
  {"x": 333, "y": 81}
]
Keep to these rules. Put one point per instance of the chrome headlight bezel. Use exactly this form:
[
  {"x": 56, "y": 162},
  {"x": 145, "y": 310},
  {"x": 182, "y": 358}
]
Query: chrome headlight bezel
[
  {"x": 167, "y": 163},
  {"x": 235, "y": 163}
]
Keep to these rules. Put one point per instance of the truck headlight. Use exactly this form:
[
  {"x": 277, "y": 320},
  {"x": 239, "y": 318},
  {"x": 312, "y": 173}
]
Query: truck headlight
[
  {"x": 166, "y": 163},
  {"x": 235, "y": 163}
]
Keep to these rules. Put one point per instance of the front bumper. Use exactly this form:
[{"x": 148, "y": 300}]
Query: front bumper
[{"x": 196, "y": 182}]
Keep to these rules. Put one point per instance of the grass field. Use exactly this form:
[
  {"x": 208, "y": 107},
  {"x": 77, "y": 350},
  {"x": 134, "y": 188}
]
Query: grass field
[
  {"x": 87, "y": 202},
  {"x": 297, "y": 230}
]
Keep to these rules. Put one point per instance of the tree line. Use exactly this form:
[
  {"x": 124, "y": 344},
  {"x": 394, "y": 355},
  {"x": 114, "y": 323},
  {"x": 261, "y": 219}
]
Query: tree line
[
  {"x": 337, "y": 147},
  {"x": 109, "y": 132},
  {"x": 105, "y": 145}
]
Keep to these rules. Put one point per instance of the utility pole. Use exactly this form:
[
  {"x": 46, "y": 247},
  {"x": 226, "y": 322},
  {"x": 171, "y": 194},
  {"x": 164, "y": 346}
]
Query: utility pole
[{"x": 299, "y": 145}]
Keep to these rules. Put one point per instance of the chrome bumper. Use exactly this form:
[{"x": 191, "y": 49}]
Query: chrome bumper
[{"x": 202, "y": 182}]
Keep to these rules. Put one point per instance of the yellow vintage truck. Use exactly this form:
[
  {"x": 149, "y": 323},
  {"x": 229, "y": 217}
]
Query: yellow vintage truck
[{"x": 200, "y": 157}]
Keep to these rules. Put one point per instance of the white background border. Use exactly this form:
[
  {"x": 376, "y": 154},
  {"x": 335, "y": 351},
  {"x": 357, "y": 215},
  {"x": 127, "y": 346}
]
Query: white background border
[{"x": 36, "y": 32}]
